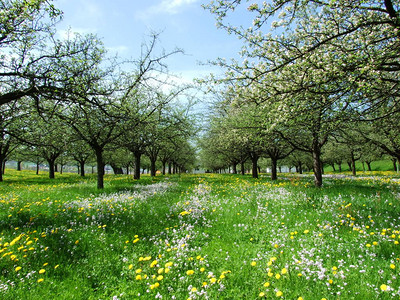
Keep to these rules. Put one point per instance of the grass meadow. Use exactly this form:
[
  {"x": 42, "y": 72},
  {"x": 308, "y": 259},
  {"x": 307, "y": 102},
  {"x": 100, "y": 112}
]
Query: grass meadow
[{"x": 199, "y": 237}]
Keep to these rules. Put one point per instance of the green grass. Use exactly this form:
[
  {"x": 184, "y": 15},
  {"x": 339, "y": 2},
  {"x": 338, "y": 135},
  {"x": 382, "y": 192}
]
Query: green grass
[
  {"x": 376, "y": 166},
  {"x": 198, "y": 236}
]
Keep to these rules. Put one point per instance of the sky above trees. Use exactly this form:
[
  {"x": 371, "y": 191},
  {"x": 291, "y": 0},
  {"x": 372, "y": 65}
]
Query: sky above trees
[{"x": 124, "y": 24}]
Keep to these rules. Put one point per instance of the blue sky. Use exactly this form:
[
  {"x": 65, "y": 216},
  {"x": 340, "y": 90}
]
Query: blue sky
[{"x": 123, "y": 25}]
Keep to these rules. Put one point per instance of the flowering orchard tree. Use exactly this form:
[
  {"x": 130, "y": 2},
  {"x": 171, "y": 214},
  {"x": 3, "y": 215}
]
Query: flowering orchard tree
[{"x": 321, "y": 63}]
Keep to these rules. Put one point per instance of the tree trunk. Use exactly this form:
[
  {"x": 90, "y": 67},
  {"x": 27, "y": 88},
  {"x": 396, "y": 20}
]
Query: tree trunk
[
  {"x": 254, "y": 170},
  {"x": 333, "y": 167},
  {"x": 164, "y": 164},
  {"x": 274, "y": 175},
  {"x": 100, "y": 169},
  {"x": 340, "y": 167},
  {"x": 169, "y": 168},
  {"x": 117, "y": 170},
  {"x": 82, "y": 168},
  {"x": 394, "y": 160},
  {"x": 300, "y": 168},
  {"x": 353, "y": 164},
  {"x": 153, "y": 167},
  {"x": 55, "y": 167},
  {"x": 234, "y": 169},
  {"x": 61, "y": 168},
  {"x": 51, "y": 168},
  {"x": 136, "y": 170},
  {"x": 350, "y": 166},
  {"x": 317, "y": 166},
  {"x": 37, "y": 168},
  {"x": 1, "y": 168},
  {"x": 368, "y": 165},
  {"x": 19, "y": 165},
  {"x": 242, "y": 169}
]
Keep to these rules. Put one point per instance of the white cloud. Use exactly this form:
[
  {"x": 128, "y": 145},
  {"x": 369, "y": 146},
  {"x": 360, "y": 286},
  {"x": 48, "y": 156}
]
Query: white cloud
[{"x": 165, "y": 7}]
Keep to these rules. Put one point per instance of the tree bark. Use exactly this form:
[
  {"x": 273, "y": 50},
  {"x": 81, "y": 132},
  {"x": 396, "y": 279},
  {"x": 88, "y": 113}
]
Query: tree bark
[
  {"x": 136, "y": 171},
  {"x": 254, "y": 161},
  {"x": 368, "y": 165},
  {"x": 353, "y": 164},
  {"x": 37, "y": 168},
  {"x": 117, "y": 170},
  {"x": 153, "y": 168},
  {"x": 82, "y": 168},
  {"x": 300, "y": 167},
  {"x": 274, "y": 175},
  {"x": 242, "y": 169},
  {"x": 394, "y": 160},
  {"x": 100, "y": 168},
  {"x": 164, "y": 164},
  {"x": 350, "y": 165},
  {"x": 19, "y": 165},
  {"x": 317, "y": 166},
  {"x": 1, "y": 168},
  {"x": 170, "y": 168},
  {"x": 234, "y": 169},
  {"x": 51, "y": 168}
]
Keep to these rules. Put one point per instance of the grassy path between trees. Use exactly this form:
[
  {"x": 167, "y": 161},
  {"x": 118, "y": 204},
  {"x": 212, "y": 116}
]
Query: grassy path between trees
[{"x": 198, "y": 237}]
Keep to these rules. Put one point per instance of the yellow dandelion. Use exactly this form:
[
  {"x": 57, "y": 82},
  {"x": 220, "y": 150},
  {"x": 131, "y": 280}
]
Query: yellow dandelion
[
  {"x": 392, "y": 266},
  {"x": 160, "y": 277},
  {"x": 213, "y": 280},
  {"x": 277, "y": 276},
  {"x": 189, "y": 272},
  {"x": 17, "y": 269},
  {"x": 138, "y": 271},
  {"x": 284, "y": 271},
  {"x": 42, "y": 271},
  {"x": 267, "y": 284},
  {"x": 130, "y": 267},
  {"x": 202, "y": 269},
  {"x": 279, "y": 294},
  {"x": 40, "y": 280},
  {"x": 168, "y": 264},
  {"x": 139, "y": 277},
  {"x": 262, "y": 294},
  {"x": 166, "y": 270},
  {"x": 253, "y": 263},
  {"x": 384, "y": 287},
  {"x": 194, "y": 289},
  {"x": 153, "y": 263},
  {"x": 300, "y": 298}
]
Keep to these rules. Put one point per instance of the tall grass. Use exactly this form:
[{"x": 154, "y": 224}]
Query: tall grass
[{"x": 198, "y": 237}]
